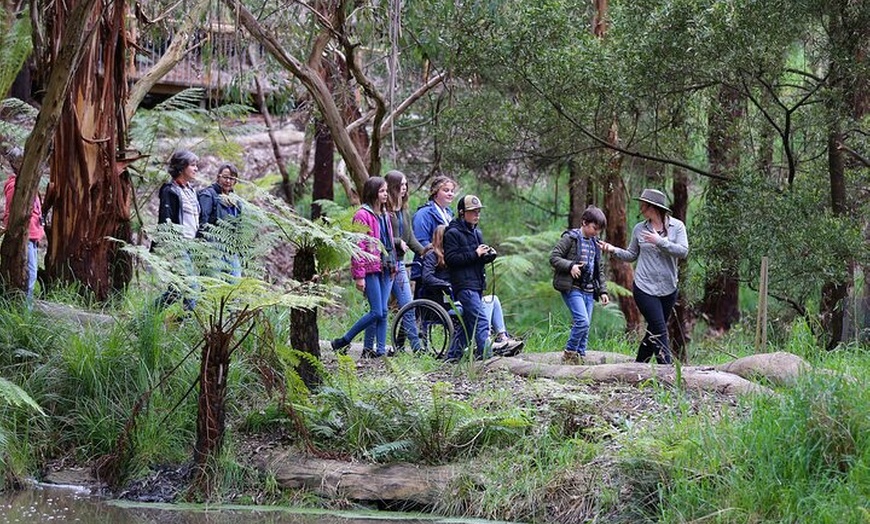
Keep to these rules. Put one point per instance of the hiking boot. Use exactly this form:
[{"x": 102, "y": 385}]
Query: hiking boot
[
  {"x": 508, "y": 348},
  {"x": 570, "y": 358},
  {"x": 369, "y": 353},
  {"x": 499, "y": 347},
  {"x": 339, "y": 346}
]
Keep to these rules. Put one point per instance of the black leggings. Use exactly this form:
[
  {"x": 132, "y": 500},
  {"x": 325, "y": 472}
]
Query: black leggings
[{"x": 656, "y": 311}]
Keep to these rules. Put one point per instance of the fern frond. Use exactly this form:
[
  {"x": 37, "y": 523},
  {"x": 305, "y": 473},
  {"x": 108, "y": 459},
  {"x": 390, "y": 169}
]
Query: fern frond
[
  {"x": 18, "y": 119},
  {"x": 15, "y": 47},
  {"x": 12, "y": 394}
]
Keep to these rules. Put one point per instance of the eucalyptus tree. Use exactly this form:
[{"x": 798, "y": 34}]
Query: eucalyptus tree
[
  {"x": 65, "y": 54},
  {"x": 81, "y": 56},
  {"x": 696, "y": 84},
  {"x": 338, "y": 87}
]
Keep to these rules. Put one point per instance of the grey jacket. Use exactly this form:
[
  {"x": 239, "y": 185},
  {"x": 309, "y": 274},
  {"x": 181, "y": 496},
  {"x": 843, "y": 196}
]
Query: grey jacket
[{"x": 656, "y": 271}]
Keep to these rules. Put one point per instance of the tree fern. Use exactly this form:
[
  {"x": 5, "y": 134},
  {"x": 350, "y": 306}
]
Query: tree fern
[{"x": 15, "y": 47}]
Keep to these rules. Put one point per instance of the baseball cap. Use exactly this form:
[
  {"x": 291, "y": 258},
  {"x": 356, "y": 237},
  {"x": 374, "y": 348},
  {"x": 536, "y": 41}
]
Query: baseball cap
[{"x": 469, "y": 203}]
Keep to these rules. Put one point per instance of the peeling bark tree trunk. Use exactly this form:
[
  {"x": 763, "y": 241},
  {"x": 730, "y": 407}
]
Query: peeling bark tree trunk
[
  {"x": 91, "y": 191},
  {"x": 721, "y": 287},
  {"x": 615, "y": 204},
  {"x": 60, "y": 69},
  {"x": 621, "y": 272}
]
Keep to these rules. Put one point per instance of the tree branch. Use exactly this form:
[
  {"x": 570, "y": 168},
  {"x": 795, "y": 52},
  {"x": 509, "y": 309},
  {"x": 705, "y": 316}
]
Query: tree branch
[
  {"x": 413, "y": 97},
  {"x": 173, "y": 55},
  {"x": 314, "y": 84}
]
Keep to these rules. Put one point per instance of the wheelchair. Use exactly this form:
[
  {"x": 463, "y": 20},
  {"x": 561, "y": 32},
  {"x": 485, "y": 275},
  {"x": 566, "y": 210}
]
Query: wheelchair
[{"x": 436, "y": 326}]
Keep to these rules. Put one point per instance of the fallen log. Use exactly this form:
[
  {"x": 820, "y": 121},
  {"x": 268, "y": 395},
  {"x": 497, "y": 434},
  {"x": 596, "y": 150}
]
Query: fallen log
[
  {"x": 385, "y": 484},
  {"x": 693, "y": 377}
]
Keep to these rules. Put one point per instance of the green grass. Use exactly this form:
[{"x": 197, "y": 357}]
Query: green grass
[{"x": 802, "y": 455}]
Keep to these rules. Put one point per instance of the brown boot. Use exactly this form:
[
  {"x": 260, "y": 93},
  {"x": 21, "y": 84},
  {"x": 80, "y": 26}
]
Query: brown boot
[{"x": 570, "y": 358}]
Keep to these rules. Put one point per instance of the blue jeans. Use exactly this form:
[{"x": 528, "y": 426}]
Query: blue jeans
[
  {"x": 474, "y": 321},
  {"x": 401, "y": 289},
  {"x": 656, "y": 311},
  {"x": 32, "y": 261},
  {"x": 494, "y": 314},
  {"x": 377, "y": 293},
  {"x": 580, "y": 305}
]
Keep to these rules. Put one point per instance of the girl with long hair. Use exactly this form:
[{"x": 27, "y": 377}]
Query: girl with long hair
[
  {"x": 373, "y": 272},
  {"x": 404, "y": 240}
]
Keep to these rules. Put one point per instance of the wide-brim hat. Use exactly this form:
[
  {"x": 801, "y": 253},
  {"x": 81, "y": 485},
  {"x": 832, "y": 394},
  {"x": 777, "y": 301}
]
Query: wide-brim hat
[
  {"x": 469, "y": 203},
  {"x": 654, "y": 197}
]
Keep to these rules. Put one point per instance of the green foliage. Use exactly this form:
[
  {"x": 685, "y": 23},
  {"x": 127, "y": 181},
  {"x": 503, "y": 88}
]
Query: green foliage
[
  {"x": 13, "y": 131},
  {"x": 401, "y": 417},
  {"x": 15, "y": 45},
  {"x": 798, "y": 456},
  {"x": 806, "y": 246},
  {"x": 536, "y": 466}
]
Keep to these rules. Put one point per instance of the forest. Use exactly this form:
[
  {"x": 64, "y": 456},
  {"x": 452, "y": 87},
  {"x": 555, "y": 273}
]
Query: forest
[{"x": 750, "y": 116}]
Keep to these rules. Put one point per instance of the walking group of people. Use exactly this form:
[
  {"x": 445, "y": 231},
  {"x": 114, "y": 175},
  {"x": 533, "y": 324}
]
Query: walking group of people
[
  {"x": 450, "y": 259},
  {"x": 449, "y": 267}
]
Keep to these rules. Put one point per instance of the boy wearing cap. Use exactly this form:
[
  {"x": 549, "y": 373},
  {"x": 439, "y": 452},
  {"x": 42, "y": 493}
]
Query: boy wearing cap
[{"x": 466, "y": 256}]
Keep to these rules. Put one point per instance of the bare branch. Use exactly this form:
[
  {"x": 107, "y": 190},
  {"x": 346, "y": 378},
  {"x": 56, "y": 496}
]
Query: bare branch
[
  {"x": 314, "y": 84},
  {"x": 173, "y": 55},
  {"x": 856, "y": 155},
  {"x": 413, "y": 97}
]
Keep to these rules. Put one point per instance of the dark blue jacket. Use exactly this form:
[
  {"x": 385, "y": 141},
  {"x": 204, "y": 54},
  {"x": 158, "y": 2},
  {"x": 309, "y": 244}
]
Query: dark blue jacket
[
  {"x": 213, "y": 207},
  {"x": 467, "y": 269}
]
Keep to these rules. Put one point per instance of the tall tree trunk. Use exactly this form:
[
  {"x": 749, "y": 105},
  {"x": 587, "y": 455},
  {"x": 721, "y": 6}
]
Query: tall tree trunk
[
  {"x": 304, "y": 335},
  {"x": 679, "y": 331},
  {"x": 90, "y": 196},
  {"x": 615, "y": 203},
  {"x": 720, "y": 304},
  {"x": 835, "y": 291},
  {"x": 65, "y": 58},
  {"x": 324, "y": 167},
  {"x": 348, "y": 101},
  {"x": 850, "y": 43}
]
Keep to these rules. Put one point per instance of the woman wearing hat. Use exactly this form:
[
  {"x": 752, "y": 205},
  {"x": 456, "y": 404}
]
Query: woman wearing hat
[{"x": 657, "y": 244}]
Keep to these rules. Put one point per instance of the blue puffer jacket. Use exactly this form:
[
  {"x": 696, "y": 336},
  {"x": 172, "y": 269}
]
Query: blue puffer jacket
[
  {"x": 467, "y": 269},
  {"x": 426, "y": 219}
]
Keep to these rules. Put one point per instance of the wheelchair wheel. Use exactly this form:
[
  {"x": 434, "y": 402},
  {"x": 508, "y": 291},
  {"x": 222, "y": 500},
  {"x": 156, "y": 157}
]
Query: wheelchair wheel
[{"x": 432, "y": 322}]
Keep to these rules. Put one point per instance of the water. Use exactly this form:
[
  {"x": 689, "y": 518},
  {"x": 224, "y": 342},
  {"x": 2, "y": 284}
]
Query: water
[{"x": 52, "y": 504}]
